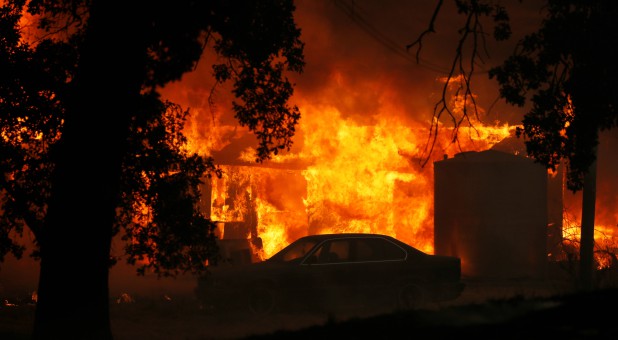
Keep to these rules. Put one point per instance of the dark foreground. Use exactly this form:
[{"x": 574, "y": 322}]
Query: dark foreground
[
  {"x": 487, "y": 310},
  {"x": 579, "y": 316}
]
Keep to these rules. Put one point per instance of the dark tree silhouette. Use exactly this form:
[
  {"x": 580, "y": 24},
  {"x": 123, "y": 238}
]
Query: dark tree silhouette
[
  {"x": 87, "y": 141},
  {"x": 566, "y": 69}
]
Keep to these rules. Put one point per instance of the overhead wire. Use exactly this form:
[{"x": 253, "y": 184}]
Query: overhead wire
[{"x": 352, "y": 10}]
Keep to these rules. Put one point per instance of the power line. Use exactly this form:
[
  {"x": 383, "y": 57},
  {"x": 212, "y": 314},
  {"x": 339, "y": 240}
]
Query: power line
[{"x": 352, "y": 10}]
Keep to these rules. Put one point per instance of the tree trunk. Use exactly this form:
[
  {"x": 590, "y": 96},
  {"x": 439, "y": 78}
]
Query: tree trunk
[
  {"x": 73, "y": 293},
  {"x": 586, "y": 250}
]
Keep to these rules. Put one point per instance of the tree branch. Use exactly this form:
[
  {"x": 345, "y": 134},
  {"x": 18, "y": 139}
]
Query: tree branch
[
  {"x": 430, "y": 29},
  {"x": 459, "y": 71}
]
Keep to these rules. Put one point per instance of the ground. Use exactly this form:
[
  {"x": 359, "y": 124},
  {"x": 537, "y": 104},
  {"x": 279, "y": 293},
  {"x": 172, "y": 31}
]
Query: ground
[{"x": 505, "y": 310}]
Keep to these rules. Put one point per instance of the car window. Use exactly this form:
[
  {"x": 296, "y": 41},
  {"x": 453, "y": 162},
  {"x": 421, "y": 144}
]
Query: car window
[
  {"x": 339, "y": 250},
  {"x": 377, "y": 249},
  {"x": 365, "y": 250},
  {"x": 333, "y": 251},
  {"x": 294, "y": 252}
]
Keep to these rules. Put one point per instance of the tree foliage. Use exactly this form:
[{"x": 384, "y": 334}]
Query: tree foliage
[
  {"x": 258, "y": 42},
  {"x": 569, "y": 71},
  {"x": 566, "y": 70}
]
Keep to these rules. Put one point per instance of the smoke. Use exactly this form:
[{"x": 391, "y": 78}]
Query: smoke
[
  {"x": 357, "y": 64},
  {"x": 357, "y": 61}
]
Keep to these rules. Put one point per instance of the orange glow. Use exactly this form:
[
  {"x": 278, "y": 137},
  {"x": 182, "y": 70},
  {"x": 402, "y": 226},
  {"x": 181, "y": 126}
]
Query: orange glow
[
  {"x": 604, "y": 240},
  {"x": 348, "y": 175}
]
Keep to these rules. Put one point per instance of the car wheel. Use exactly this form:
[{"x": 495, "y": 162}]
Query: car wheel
[
  {"x": 262, "y": 300},
  {"x": 411, "y": 296}
]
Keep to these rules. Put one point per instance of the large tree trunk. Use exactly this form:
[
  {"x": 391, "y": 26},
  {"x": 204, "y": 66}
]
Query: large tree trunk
[
  {"x": 586, "y": 250},
  {"x": 73, "y": 294}
]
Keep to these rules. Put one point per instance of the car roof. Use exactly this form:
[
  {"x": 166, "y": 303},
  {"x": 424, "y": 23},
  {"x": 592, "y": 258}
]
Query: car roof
[
  {"x": 345, "y": 235},
  {"x": 330, "y": 236}
]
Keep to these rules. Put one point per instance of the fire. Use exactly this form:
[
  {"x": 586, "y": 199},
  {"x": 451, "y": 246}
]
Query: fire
[
  {"x": 605, "y": 246},
  {"x": 349, "y": 175},
  {"x": 362, "y": 177}
]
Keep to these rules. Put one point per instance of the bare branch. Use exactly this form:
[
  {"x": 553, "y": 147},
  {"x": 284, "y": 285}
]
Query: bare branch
[
  {"x": 462, "y": 69},
  {"x": 430, "y": 29}
]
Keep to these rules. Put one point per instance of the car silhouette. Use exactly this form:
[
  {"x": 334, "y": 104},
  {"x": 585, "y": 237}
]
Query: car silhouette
[{"x": 334, "y": 272}]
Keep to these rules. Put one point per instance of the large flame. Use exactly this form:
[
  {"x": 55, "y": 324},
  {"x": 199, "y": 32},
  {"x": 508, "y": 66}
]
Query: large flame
[
  {"x": 347, "y": 172},
  {"x": 356, "y": 164},
  {"x": 348, "y": 175}
]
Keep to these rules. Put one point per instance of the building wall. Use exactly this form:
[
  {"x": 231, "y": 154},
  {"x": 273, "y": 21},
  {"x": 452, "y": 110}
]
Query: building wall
[{"x": 490, "y": 209}]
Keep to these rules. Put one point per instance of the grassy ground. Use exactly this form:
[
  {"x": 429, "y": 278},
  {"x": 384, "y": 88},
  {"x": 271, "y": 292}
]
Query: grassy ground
[{"x": 483, "y": 304}]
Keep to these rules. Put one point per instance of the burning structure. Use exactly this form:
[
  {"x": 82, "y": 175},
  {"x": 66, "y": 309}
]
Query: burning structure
[
  {"x": 354, "y": 166},
  {"x": 251, "y": 203},
  {"x": 490, "y": 209}
]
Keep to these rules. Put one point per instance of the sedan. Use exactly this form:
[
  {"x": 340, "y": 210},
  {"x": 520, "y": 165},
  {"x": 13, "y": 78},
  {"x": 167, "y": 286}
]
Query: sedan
[{"x": 331, "y": 272}]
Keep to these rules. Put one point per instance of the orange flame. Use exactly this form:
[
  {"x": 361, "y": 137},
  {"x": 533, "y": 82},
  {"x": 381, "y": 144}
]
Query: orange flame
[
  {"x": 354, "y": 177},
  {"x": 605, "y": 246}
]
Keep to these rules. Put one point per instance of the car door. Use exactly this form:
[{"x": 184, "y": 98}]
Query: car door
[
  {"x": 375, "y": 267},
  {"x": 327, "y": 272}
]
